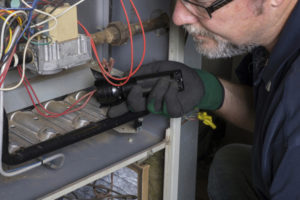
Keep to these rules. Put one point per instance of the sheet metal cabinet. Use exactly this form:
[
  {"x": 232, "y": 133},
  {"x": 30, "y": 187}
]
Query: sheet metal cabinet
[{"x": 100, "y": 155}]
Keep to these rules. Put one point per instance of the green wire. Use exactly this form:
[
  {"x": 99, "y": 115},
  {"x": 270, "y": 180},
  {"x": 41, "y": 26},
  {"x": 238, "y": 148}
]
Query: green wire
[{"x": 39, "y": 43}]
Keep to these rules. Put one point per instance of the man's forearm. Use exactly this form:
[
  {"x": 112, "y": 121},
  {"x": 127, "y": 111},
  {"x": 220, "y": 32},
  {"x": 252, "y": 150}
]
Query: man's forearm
[{"x": 238, "y": 105}]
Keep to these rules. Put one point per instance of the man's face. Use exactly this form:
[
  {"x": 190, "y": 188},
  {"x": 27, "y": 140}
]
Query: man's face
[
  {"x": 214, "y": 46},
  {"x": 231, "y": 31}
]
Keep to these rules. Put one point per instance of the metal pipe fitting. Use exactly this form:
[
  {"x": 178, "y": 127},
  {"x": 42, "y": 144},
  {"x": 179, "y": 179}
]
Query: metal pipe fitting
[{"x": 117, "y": 33}]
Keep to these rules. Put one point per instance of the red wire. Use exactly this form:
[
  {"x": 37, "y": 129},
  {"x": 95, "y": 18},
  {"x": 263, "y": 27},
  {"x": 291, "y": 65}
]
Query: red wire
[
  {"x": 104, "y": 72},
  {"x": 3, "y": 75},
  {"x": 144, "y": 37},
  {"x": 143, "y": 33},
  {"x": 49, "y": 113}
]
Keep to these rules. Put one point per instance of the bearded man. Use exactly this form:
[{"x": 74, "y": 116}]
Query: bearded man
[{"x": 266, "y": 102}]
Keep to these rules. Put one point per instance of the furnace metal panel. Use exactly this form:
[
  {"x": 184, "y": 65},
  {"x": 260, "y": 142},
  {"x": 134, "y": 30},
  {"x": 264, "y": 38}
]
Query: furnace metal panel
[{"x": 82, "y": 159}]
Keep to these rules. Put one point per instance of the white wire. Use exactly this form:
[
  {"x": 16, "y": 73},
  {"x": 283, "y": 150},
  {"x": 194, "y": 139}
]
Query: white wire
[
  {"x": 16, "y": 60},
  {"x": 26, "y": 48},
  {"x": 57, "y": 16},
  {"x": 4, "y": 26},
  {"x": 33, "y": 165},
  {"x": 25, "y": 168}
]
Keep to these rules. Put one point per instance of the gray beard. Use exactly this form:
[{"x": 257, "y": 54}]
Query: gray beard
[{"x": 224, "y": 48}]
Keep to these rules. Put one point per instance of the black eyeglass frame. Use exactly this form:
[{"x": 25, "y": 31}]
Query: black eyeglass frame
[{"x": 213, "y": 7}]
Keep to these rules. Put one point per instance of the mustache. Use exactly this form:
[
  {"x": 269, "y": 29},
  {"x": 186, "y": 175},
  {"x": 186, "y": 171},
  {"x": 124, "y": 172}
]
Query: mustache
[
  {"x": 222, "y": 48},
  {"x": 196, "y": 31}
]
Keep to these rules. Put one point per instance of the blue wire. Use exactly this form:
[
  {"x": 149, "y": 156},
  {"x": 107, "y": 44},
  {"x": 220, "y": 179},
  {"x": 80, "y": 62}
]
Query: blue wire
[
  {"x": 34, "y": 5},
  {"x": 16, "y": 9}
]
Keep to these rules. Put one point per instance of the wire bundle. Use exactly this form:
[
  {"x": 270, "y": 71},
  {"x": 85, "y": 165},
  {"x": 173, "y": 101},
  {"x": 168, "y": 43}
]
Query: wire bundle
[
  {"x": 26, "y": 22},
  {"x": 23, "y": 22},
  {"x": 48, "y": 114}
]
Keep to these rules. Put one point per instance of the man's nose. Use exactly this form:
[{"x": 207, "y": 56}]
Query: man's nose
[{"x": 182, "y": 15}]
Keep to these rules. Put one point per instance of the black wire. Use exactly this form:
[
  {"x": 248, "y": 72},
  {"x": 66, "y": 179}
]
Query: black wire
[
  {"x": 10, "y": 25},
  {"x": 6, "y": 56}
]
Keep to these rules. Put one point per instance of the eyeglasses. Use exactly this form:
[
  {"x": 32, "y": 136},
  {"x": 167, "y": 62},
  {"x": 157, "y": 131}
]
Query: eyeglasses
[{"x": 199, "y": 9}]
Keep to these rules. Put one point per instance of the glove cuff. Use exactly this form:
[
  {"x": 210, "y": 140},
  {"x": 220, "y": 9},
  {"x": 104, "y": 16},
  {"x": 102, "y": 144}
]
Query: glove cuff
[{"x": 213, "y": 91}]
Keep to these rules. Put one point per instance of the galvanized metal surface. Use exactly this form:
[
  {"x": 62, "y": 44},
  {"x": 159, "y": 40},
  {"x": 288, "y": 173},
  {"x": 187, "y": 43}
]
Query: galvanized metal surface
[
  {"x": 47, "y": 87},
  {"x": 54, "y": 57},
  {"x": 28, "y": 127},
  {"x": 94, "y": 15},
  {"x": 106, "y": 171},
  {"x": 106, "y": 152}
]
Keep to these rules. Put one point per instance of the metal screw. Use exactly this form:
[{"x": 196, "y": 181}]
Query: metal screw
[
  {"x": 35, "y": 118},
  {"x": 130, "y": 140},
  {"x": 12, "y": 126}
]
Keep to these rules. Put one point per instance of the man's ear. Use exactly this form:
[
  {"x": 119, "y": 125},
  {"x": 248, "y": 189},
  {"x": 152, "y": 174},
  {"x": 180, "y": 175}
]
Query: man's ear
[{"x": 276, "y": 3}]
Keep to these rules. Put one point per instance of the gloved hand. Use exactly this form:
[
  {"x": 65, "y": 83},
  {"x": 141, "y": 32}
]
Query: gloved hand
[{"x": 201, "y": 89}]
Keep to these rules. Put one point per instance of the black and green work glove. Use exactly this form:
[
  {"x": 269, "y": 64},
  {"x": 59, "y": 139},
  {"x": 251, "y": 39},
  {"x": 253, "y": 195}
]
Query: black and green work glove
[{"x": 201, "y": 89}]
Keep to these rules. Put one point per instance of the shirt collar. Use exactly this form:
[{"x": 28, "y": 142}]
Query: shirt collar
[
  {"x": 286, "y": 46},
  {"x": 260, "y": 57}
]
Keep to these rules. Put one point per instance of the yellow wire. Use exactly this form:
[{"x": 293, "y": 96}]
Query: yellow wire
[
  {"x": 10, "y": 31},
  {"x": 10, "y": 36},
  {"x": 19, "y": 18}
]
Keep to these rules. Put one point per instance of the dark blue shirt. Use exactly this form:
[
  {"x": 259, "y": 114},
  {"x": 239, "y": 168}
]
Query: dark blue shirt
[{"x": 276, "y": 82}]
